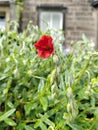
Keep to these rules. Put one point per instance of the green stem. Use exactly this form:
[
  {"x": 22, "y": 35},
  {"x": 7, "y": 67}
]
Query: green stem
[
  {"x": 81, "y": 73},
  {"x": 91, "y": 127}
]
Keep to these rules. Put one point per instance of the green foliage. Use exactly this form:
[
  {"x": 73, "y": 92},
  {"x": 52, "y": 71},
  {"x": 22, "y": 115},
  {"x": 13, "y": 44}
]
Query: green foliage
[
  {"x": 19, "y": 12},
  {"x": 57, "y": 93}
]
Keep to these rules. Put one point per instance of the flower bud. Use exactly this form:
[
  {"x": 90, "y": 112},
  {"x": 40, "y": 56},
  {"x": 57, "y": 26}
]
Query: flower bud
[
  {"x": 69, "y": 92},
  {"x": 55, "y": 59},
  {"x": 58, "y": 70},
  {"x": 53, "y": 88},
  {"x": 50, "y": 128},
  {"x": 18, "y": 115},
  {"x": 29, "y": 72},
  {"x": 52, "y": 76},
  {"x": 68, "y": 107}
]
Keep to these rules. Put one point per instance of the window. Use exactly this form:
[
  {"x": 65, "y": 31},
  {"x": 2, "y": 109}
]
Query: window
[
  {"x": 53, "y": 16},
  {"x": 2, "y": 20},
  {"x": 4, "y": 13},
  {"x": 53, "y": 19},
  {"x": 94, "y": 3}
]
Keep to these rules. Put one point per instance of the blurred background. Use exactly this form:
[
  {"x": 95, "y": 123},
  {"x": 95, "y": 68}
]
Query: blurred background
[{"x": 74, "y": 17}]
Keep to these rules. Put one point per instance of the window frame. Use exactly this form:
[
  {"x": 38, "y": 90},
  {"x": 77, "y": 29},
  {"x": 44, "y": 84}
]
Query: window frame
[
  {"x": 2, "y": 14},
  {"x": 47, "y": 8},
  {"x": 5, "y": 9},
  {"x": 50, "y": 15},
  {"x": 94, "y": 3}
]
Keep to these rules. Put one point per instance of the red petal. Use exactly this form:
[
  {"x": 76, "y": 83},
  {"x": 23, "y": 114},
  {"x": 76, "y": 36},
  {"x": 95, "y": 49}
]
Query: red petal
[
  {"x": 44, "y": 43},
  {"x": 43, "y": 54},
  {"x": 44, "y": 46}
]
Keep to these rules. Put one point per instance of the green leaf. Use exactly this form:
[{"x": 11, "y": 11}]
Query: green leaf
[
  {"x": 44, "y": 103},
  {"x": 20, "y": 126},
  {"x": 77, "y": 127},
  {"x": 10, "y": 104},
  {"x": 28, "y": 128},
  {"x": 96, "y": 113},
  {"x": 28, "y": 108},
  {"x": 46, "y": 120},
  {"x": 10, "y": 122},
  {"x": 41, "y": 85},
  {"x": 3, "y": 77},
  {"x": 7, "y": 114},
  {"x": 37, "y": 124},
  {"x": 43, "y": 126}
]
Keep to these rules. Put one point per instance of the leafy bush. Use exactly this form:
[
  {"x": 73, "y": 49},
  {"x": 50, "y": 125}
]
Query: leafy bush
[{"x": 56, "y": 93}]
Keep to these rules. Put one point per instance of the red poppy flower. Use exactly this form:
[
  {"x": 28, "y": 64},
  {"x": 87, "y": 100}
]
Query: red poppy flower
[{"x": 44, "y": 46}]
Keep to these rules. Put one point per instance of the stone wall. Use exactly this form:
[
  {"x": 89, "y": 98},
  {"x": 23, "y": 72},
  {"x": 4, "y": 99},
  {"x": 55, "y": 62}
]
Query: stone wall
[{"x": 80, "y": 17}]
